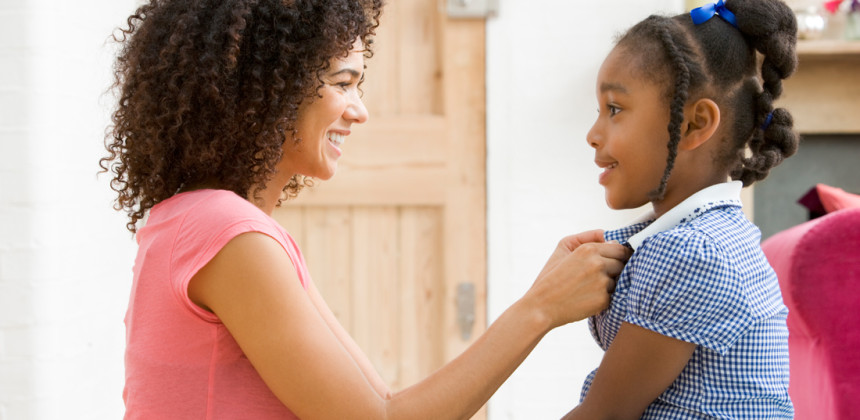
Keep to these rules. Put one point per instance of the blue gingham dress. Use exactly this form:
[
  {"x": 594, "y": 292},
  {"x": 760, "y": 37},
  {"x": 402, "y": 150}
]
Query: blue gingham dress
[{"x": 698, "y": 275}]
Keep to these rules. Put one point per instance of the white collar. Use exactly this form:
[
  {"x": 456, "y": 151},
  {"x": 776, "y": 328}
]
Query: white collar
[{"x": 686, "y": 210}]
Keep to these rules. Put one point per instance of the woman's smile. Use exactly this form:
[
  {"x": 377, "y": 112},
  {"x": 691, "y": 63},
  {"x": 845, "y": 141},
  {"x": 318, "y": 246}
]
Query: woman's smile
[
  {"x": 337, "y": 139},
  {"x": 325, "y": 119}
]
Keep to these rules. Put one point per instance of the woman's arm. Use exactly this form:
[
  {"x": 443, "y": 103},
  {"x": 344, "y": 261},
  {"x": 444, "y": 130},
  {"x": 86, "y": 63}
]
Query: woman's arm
[
  {"x": 638, "y": 366},
  {"x": 348, "y": 343},
  {"x": 253, "y": 288}
]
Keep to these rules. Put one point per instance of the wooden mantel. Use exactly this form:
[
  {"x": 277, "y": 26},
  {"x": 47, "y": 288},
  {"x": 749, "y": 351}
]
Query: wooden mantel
[{"x": 824, "y": 94}]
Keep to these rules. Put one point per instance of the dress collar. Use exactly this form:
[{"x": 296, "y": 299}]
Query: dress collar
[{"x": 689, "y": 209}]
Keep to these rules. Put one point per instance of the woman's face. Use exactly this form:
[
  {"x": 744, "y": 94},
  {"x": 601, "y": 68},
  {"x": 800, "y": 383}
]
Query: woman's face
[
  {"x": 324, "y": 121},
  {"x": 630, "y": 135}
]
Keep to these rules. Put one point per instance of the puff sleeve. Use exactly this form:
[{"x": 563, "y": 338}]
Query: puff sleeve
[{"x": 684, "y": 286}]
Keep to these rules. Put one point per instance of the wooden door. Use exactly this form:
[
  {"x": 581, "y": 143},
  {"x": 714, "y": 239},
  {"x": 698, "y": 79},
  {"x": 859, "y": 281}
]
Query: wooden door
[{"x": 393, "y": 236}]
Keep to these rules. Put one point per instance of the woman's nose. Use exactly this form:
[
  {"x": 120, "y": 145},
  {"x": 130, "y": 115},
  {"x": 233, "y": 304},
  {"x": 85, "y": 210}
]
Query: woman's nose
[{"x": 356, "y": 111}]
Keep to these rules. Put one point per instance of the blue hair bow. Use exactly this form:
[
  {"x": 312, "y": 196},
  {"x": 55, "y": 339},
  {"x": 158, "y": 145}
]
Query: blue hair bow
[{"x": 706, "y": 12}]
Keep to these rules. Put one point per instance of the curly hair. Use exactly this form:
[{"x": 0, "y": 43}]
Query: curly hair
[
  {"x": 208, "y": 91},
  {"x": 719, "y": 60}
]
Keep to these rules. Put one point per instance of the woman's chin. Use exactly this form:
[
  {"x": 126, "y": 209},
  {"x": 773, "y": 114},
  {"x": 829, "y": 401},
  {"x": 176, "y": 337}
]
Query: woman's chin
[{"x": 327, "y": 175}]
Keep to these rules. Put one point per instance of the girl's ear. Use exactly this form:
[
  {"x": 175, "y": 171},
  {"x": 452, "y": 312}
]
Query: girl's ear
[{"x": 701, "y": 120}]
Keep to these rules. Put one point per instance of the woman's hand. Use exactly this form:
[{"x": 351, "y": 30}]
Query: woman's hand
[
  {"x": 578, "y": 278},
  {"x": 567, "y": 245}
]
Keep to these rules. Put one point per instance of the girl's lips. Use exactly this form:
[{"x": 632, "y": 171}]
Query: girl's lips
[
  {"x": 605, "y": 163},
  {"x": 608, "y": 167},
  {"x": 603, "y": 175}
]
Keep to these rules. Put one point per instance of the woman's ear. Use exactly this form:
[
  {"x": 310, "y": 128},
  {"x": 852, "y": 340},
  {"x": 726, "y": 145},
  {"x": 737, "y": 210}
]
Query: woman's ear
[{"x": 701, "y": 121}]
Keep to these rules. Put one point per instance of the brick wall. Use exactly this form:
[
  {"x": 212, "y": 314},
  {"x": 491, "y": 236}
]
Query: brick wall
[{"x": 64, "y": 258}]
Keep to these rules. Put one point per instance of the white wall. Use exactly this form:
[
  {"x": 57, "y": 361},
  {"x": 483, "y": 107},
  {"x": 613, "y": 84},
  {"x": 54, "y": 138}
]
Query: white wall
[
  {"x": 542, "y": 61},
  {"x": 64, "y": 260}
]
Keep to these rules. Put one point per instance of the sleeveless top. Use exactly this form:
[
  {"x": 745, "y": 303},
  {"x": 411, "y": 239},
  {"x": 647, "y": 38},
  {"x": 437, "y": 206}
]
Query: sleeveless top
[{"x": 180, "y": 360}]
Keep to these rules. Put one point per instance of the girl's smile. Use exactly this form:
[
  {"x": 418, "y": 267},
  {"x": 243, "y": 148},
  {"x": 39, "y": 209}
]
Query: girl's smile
[
  {"x": 607, "y": 168},
  {"x": 629, "y": 136}
]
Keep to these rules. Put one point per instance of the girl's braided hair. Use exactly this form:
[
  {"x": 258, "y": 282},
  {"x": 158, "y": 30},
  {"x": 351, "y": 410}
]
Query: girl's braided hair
[
  {"x": 717, "y": 60},
  {"x": 208, "y": 90}
]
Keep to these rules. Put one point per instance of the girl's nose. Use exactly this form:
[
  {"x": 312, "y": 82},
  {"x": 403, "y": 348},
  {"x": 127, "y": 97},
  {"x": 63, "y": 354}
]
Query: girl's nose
[{"x": 593, "y": 137}]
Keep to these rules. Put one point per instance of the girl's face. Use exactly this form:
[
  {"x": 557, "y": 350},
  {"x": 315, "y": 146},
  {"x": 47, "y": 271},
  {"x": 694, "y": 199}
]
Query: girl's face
[
  {"x": 630, "y": 134},
  {"x": 324, "y": 121}
]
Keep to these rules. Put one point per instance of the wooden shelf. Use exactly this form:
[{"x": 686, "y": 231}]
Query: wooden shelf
[
  {"x": 824, "y": 94},
  {"x": 822, "y": 48}
]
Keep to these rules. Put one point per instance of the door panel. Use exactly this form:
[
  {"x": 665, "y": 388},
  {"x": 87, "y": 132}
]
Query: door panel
[{"x": 402, "y": 224}]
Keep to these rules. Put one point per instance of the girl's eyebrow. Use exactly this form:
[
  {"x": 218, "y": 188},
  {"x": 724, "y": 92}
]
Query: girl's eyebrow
[{"x": 615, "y": 87}]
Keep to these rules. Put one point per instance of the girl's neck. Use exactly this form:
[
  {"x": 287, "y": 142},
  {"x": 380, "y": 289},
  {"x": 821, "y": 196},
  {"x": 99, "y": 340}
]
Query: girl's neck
[{"x": 676, "y": 194}]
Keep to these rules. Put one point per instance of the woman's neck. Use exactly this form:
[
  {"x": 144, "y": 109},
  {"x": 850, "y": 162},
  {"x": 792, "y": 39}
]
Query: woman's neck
[{"x": 268, "y": 197}]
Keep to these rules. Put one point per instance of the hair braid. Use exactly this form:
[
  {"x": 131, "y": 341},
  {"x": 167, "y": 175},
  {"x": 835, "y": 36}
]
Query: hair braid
[
  {"x": 666, "y": 54},
  {"x": 771, "y": 28},
  {"x": 681, "y": 87}
]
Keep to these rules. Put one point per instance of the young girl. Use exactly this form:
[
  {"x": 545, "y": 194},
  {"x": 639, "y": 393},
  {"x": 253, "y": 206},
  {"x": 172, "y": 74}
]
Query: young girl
[{"x": 696, "y": 327}]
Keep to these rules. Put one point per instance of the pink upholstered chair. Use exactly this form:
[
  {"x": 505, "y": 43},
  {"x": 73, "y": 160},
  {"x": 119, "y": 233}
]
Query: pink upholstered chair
[{"x": 818, "y": 265}]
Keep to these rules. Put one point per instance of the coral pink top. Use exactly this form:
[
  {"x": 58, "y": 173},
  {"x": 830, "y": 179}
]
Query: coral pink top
[{"x": 180, "y": 360}]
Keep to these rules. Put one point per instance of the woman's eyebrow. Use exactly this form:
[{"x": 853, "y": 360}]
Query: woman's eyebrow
[{"x": 352, "y": 72}]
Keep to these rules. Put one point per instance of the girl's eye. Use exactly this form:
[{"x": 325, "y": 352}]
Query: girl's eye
[{"x": 612, "y": 110}]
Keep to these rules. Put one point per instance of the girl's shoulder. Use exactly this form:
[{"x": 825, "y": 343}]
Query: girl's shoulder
[
  {"x": 719, "y": 229},
  {"x": 679, "y": 240}
]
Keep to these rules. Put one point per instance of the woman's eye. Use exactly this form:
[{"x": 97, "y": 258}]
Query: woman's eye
[
  {"x": 613, "y": 110},
  {"x": 342, "y": 84}
]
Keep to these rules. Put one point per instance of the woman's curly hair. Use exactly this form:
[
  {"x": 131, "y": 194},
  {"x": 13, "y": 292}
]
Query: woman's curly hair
[{"x": 208, "y": 90}]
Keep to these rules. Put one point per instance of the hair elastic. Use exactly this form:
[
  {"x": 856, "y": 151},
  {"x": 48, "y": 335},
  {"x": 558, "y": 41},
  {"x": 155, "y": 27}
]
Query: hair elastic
[
  {"x": 706, "y": 12},
  {"x": 767, "y": 121}
]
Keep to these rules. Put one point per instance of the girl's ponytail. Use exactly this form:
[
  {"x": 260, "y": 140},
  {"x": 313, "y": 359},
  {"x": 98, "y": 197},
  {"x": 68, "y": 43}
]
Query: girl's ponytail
[{"x": 771, "y": 28}]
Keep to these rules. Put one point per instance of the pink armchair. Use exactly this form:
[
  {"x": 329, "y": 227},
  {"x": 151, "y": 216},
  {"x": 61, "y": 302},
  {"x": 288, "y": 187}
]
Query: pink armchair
[{"x": 818, "y": 265}]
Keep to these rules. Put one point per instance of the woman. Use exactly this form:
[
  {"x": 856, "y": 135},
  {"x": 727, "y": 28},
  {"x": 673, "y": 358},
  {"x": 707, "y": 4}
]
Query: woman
[{"x": 225, "y": 107}]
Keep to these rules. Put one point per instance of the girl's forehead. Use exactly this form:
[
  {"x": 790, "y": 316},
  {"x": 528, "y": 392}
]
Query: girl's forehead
[
  {"x": 616, "y": 66},
  {"x": 629, "y": 65},
  {"x": 621, "y": 77},
  {"x": 627, "y": 58}
]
